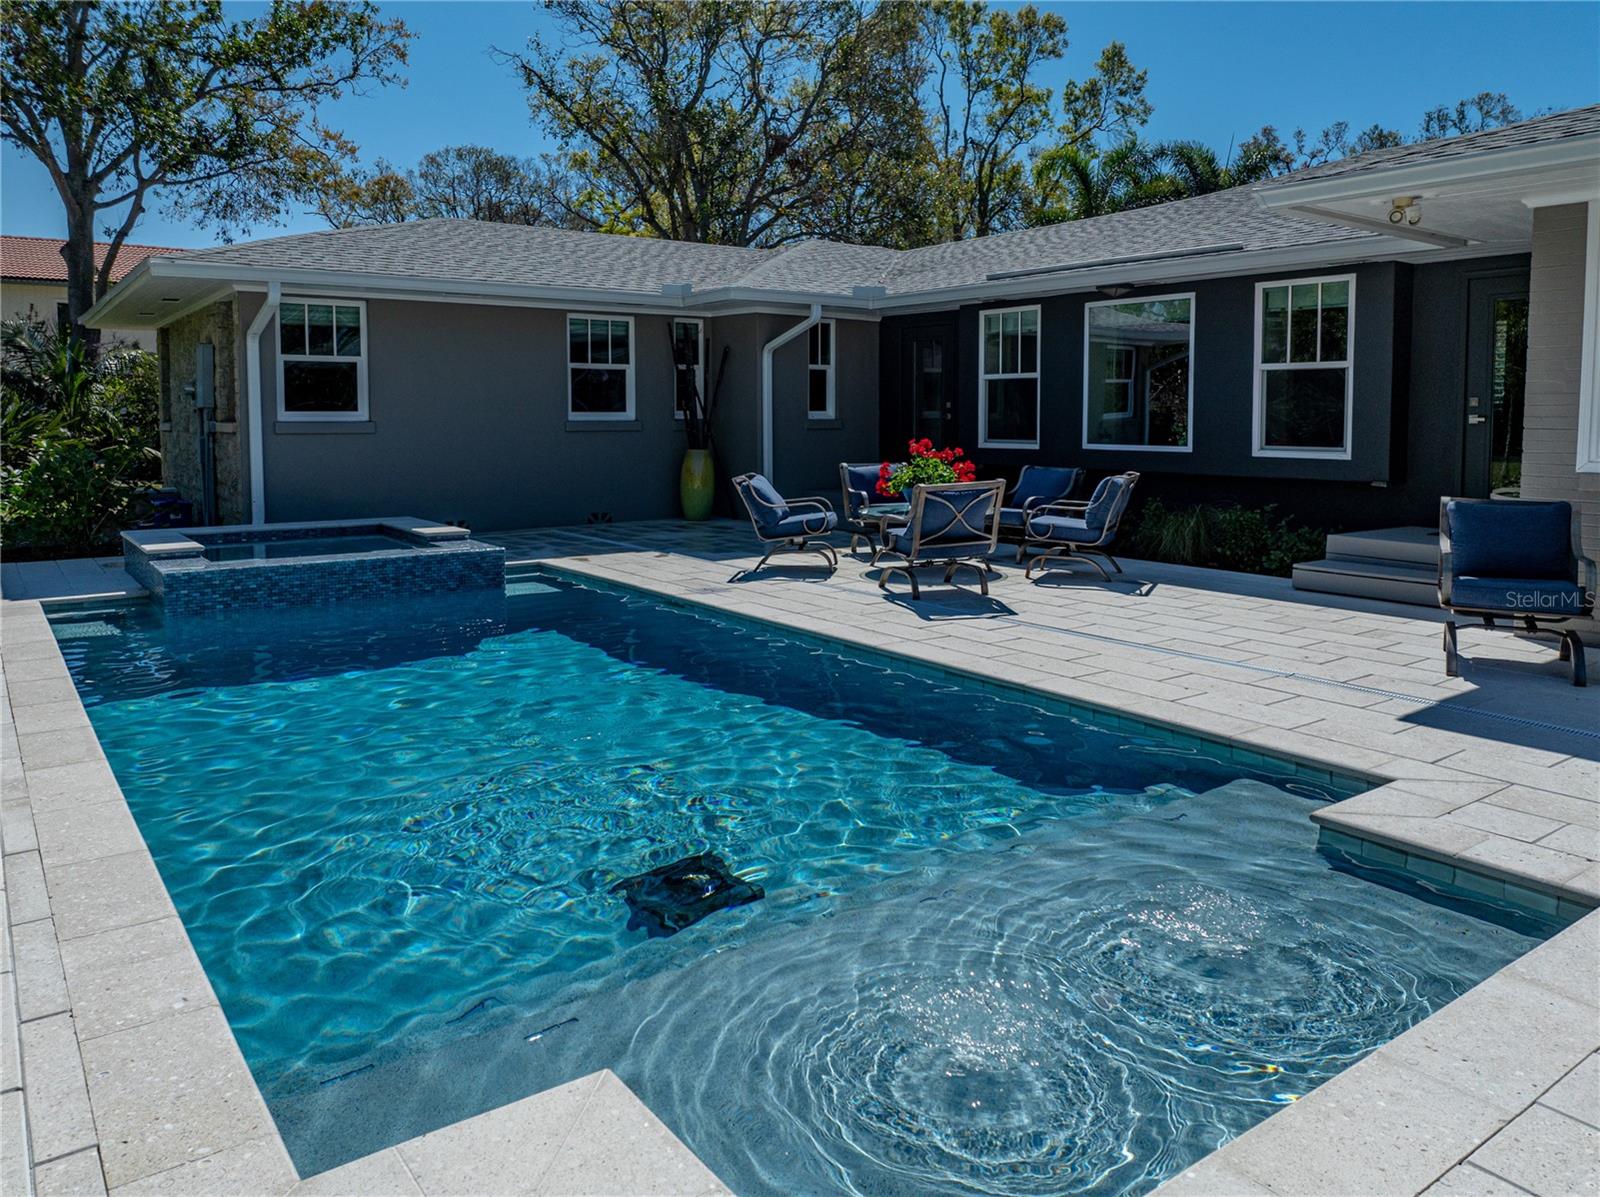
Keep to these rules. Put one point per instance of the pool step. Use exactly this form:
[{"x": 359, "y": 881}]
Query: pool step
[{"x": 1394, "y": 565}]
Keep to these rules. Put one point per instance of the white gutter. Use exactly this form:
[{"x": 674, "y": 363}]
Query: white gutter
[
  {"x": 253, "y": 405},
  {"x": 767, "y": 350}
]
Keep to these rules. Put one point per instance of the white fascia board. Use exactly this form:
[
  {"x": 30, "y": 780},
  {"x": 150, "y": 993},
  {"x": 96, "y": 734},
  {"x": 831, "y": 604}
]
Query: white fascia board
[{"x": 1403, "y": 180}]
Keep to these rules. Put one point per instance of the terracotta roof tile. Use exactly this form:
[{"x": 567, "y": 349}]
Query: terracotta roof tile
[{"x": 38, "y": 259}]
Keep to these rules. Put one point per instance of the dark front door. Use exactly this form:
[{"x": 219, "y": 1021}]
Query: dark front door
[
  {"x": 1497, "y": 358},
  {"x": 929, "y": 384}
]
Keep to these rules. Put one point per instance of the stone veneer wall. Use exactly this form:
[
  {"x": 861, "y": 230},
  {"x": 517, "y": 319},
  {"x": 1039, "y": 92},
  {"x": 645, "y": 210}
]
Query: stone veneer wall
[
  {"x": 180, "y": 423},
  {"x": 1555, "y": 354}
]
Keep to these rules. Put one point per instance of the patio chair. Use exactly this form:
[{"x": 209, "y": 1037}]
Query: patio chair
[
  {"x": 1068, "y": 532},
  {"x": 1036, "y": 486},
  {"x": 859, "y": 486},
  {"x": 951, "y": 524},
  {"x": 787, "y": 525},
  {"x": 1514, "y": 559}
]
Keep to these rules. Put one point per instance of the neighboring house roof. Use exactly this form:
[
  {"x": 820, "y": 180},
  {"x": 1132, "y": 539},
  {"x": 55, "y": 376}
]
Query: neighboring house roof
[
  {"x": 1245, "y": 228},
  {"x": 1558, "y": 126},
  {"x": 39, "y": 260}
]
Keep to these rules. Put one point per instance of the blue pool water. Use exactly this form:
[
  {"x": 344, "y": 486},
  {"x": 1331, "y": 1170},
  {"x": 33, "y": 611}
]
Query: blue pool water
[{"x": 1004, "y": 947}]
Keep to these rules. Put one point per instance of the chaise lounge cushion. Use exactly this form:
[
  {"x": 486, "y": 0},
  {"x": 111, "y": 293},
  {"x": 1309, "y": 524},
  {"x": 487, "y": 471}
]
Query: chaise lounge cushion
[
  {"x": 805, "y": 522},
  {"x": 1517, "y": 596},
  {"x": 1500, "y": 539}
]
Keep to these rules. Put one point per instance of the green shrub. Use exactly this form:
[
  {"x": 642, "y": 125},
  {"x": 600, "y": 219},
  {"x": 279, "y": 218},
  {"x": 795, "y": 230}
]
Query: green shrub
[
  {"x": 80, "y": 436},
  {"x": 1247, "y": 539}
]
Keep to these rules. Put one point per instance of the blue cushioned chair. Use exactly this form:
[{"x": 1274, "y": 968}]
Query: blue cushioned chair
[
  {"x": 1066, "y": 532},
  {"x": 1036, "y": 486},
  {"x": 859, "y": 484},
  {"x": 1518, "y": 560},
  {"x": 951, "y": 524},
  {"x": 787, "y": 525}
]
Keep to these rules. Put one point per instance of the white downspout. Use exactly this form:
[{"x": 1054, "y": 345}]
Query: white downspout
[
  {"x": 258, "y": 432},
  {"x": 767, "y": 351}
]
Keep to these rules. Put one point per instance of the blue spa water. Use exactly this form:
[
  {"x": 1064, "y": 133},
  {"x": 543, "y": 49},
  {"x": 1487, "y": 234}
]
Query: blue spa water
[
  {"x": 1004, "y": 948},
  {"x": 306, "y": 546}
]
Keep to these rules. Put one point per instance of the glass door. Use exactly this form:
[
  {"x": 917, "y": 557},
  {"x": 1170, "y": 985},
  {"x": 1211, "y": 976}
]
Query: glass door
[
  {"x": 931, "y": 386},
  {"x": 1497, "y": 357}
]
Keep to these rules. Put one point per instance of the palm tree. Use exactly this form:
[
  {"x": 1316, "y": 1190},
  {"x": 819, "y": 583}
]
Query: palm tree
[
  {"x": 1075, "y": 183},
  {"x": 1192, "y": 168}
]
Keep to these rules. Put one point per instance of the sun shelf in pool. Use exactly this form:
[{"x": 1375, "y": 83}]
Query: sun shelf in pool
[{"x": 1004, "y": 946}]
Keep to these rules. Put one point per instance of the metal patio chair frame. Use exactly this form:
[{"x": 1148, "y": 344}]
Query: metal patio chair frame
[
  {"x": 869, "y": 531},
  {"x": 1033, "y": 502},
  {"x": 1056, "y": 551},
  {"x": 981, "y": 542},
  {"x": 810, "y": 540},
  {"x": 1583, "y": 574}
]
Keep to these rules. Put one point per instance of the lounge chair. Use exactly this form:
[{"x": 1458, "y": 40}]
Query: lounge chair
[
  {"x": 1517, "y": 560},
  {"x": 951, "y": 524},
  {"x": 1036, "y": 486},
  {"x": 859, "y": 486},
  {"x": 787, "y": 525},
  {"x": 1067, "y": 532}
]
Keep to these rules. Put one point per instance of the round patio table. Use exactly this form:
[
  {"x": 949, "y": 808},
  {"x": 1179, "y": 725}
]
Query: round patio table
[{"x": 886, "y": 516}]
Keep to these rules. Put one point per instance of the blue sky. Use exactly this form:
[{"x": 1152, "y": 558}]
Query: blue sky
[{"x": 1218, "y": 72}]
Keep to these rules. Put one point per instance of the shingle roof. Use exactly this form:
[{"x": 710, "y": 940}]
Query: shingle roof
[
  {"x": 478, "y": 251},
  {"x": 38, "y": 259},
  {"x": 1558, "y": 126},
  {"x": 1234, "y": 219},
  {"x": 472, "y": 251},
  {"x": 461, "y": 251}
]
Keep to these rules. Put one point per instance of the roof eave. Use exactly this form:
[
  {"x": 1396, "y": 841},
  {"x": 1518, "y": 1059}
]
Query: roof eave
[{"x": 1380, "y": 180}]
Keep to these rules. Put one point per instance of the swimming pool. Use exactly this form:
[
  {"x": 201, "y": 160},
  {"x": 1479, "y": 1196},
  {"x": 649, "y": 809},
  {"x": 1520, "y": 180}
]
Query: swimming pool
[{"x": 1003, "y": 946}]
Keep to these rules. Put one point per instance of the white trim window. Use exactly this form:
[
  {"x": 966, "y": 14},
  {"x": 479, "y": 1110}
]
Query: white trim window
[
  {"x": 1138, "y": 375},
  {"x": 1305, "y": 338},
  {"x": 599, "y": 367},
  {"x": 322, "y": 359},
  {"x": 819, "y": 372},
  {"x": 1008, "y": 378},
  {"x": 689, "y": 333}
]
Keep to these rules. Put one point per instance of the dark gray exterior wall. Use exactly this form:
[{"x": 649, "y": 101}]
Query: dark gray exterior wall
[
  {"x": 1410, "y": 332},
  {"x": 467, "y": 409}
]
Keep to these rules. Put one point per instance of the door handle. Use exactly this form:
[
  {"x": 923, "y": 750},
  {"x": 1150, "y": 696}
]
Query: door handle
[{"x": 1474, "y": 419}]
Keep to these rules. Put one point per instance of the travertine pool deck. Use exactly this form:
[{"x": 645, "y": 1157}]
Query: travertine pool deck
[{"x": 128, "y": 1077}]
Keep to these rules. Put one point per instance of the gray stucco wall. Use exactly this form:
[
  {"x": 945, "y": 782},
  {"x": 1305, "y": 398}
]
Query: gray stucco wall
[
  {"x": 1410, "y": 329},
  {"x": 467, "y": 409}
]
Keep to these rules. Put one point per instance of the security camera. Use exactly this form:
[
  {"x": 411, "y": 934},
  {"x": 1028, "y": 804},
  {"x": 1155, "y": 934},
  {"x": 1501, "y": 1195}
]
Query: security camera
[{"x": 1403, "y": 210}]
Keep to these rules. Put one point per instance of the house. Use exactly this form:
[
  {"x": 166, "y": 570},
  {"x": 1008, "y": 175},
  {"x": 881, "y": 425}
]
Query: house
[
  {"x": 33, "y": 282},
  {"x": 1349, "y": 342}
]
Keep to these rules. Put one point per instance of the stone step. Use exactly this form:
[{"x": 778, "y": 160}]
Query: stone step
[
  {"x": 1373, "y": 578},
  {"x": 1413, "y": 545}
]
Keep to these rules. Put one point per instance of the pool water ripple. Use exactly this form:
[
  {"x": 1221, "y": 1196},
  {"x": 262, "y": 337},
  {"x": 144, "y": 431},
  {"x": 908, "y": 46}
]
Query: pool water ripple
[{"x": 1004, "y": 947}]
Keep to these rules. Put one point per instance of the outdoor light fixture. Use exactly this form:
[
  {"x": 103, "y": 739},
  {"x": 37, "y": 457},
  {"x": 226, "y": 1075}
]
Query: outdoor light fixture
[
  {"x": 1403, "y": 210},
  {"x": 1116, "y": 290}
]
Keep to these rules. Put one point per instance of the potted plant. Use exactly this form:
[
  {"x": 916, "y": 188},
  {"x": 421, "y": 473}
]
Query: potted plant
[
  {"x": 925, "y": 465},
  {"x": 697, "y": 480}
]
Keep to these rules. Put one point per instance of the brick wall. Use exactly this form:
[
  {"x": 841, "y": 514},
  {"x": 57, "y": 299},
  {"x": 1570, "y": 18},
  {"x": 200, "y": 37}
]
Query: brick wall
[{"x": 1555, "y": 351}]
